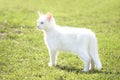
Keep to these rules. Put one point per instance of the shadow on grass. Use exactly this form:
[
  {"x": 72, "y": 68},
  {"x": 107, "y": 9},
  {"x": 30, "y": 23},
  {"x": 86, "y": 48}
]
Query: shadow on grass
[{"x": 77, "y": 70}]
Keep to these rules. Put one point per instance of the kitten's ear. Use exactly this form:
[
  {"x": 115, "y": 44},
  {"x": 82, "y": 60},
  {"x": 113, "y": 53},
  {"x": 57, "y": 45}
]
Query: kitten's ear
[
  {"x": 39, "y": 13},
  {"x": 49, "y": 16}
]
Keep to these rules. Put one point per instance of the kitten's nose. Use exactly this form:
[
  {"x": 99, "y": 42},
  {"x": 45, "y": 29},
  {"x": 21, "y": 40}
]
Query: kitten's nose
[{"x": 37, "y": 26}]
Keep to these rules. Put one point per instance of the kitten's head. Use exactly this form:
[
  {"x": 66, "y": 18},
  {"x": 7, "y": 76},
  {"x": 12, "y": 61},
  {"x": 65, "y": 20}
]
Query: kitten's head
[{"x": 45, "y": 21}]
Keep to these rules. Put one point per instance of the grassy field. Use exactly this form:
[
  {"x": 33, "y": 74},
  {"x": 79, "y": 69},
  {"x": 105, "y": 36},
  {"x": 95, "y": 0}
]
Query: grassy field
[{"x": 24, "y": 56}]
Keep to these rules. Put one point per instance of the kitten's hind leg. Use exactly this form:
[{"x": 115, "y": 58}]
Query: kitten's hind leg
[
  {"x": 92, "y": 66},
  {"x": 53, "y": 56},
  {"x": 86, "y": 59}
]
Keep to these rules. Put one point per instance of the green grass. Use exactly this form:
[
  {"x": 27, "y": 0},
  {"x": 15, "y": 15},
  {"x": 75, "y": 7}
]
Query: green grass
[{"x": 24, "y": 56}]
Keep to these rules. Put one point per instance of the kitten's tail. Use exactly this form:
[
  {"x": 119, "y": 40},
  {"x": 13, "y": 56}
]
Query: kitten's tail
[{"x": 94, "y": 52}]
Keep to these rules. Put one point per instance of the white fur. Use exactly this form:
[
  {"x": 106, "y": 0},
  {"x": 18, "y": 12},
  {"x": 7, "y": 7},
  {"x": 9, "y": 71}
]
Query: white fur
[{"x": 80, "y": 41}]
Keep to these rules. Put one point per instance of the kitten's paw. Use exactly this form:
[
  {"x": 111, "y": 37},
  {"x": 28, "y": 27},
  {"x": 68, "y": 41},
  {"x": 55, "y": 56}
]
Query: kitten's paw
[
  {"x": 51, "y": 64},
  {"x": 85, "y": 70}
]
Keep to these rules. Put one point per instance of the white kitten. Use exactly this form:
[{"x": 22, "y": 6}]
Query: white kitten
[{"x": 80, "y": 41}]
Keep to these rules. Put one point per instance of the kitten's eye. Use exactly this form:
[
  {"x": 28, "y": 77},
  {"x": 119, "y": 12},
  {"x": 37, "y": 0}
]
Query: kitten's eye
[{"x": 41, "y": 22}]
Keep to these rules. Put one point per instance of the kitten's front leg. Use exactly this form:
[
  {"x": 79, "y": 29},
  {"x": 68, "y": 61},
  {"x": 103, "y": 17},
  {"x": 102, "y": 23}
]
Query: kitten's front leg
[{"x": 53, "y": 55}]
